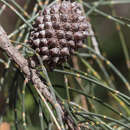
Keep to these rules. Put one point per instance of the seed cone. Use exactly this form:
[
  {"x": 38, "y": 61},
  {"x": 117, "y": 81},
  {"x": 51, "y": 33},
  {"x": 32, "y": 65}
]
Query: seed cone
[{"x": 58, "y": 31}]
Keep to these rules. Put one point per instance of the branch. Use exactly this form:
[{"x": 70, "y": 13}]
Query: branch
[
  {"x": 94, "y": 41},
  {"x": 30, "y": 73}
]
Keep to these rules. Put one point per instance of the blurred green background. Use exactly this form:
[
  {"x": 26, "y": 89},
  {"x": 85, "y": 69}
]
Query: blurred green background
[{"x": 109, "y": 43}]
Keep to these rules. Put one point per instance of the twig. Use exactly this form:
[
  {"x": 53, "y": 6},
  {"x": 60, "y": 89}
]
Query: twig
[
  {"x": 94, "y": 41},
  {"x": 44, "y": 100},
  {"x": 2, "y": 9},
  {"x": 22, "y": 62}
]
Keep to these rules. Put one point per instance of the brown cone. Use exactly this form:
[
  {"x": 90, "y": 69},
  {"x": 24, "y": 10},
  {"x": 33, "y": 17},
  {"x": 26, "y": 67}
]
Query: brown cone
[{"x": 58, "y": 32}]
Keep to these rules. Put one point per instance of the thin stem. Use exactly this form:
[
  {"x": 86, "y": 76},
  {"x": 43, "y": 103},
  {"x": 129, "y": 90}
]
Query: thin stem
[
  {"x": 41, "y": 116},
  {"x": 67, "y": 87},
  {"x": 20, "y": 8},
  {"x": 107, "y": 15},
  {"x": 94, "y": 7},
  {"x": 95, "y": 82},
  {"x": 23, "y": 107},
  {"x": 84, "y": 114},
  {"x": 2, "y": 9},
  {"x": 49, "y": 109},
  {"x": 127, "y": 85},
  {"x": 112, "y": 2}
]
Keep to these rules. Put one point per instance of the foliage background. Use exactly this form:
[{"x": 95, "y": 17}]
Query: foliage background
[{"x": 112, "y": 42}]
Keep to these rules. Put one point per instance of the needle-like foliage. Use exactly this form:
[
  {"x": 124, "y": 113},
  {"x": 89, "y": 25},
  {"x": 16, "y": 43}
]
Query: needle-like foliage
[{"x": 88, "y": 92}]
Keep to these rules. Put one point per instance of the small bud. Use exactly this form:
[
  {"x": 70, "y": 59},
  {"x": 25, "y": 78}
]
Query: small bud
[
  {"x": 44, "y": 50},
  {"x": 56, "y": 25},
  {"x": 48, "y": 25},
  {"x": 42, "y": 34},
  {"x": 65, "y": 51},
  {"x": 36, "y": 42},
  {"x": 79, "y": 12},
  {"x": 67, "y": 26},
  {"x": 76, "y": 8},
  {"x": 49, "y": 33},
  {"x": 85, "y": 34},
  {"x": 75, "y": 26},
  {"x": 36, "y": 35},
  {"x": 46, "y": 11},
  {"x": 83, "y": 26},
  {"x": 41, "y": 26},
  {"x": 71, "y": 44},
  {"x": 65, "y": 7},
  {"x": 55, "y": 17},
  {"x": 39, "y": 19},
  {"x": 64, "y": 17},
  {"x": 32, "y": 32},
  {"x": 53, "y": 42},
  {"x": 47, "y": 18},
  {"x": 69, "y": 35},
  {"x": 63, "y": 42},
  {"x": 43, "y": 42},
  {"x": 45, "y": 58},
  {"x": 37, "y": 50},
  {"x": 79, "y": 44},
  {"x": 81, "y": 18},
  {"x": 60, "y": 34},
  {"x": 55, "y": 59},
  {"x": 54, "y": 9},
  {"x": 74, "y": 4},
  {"x": 74, "y": 18},
  {"x": 54, "y": 51},
  {"x": 78, "y": 36}
]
